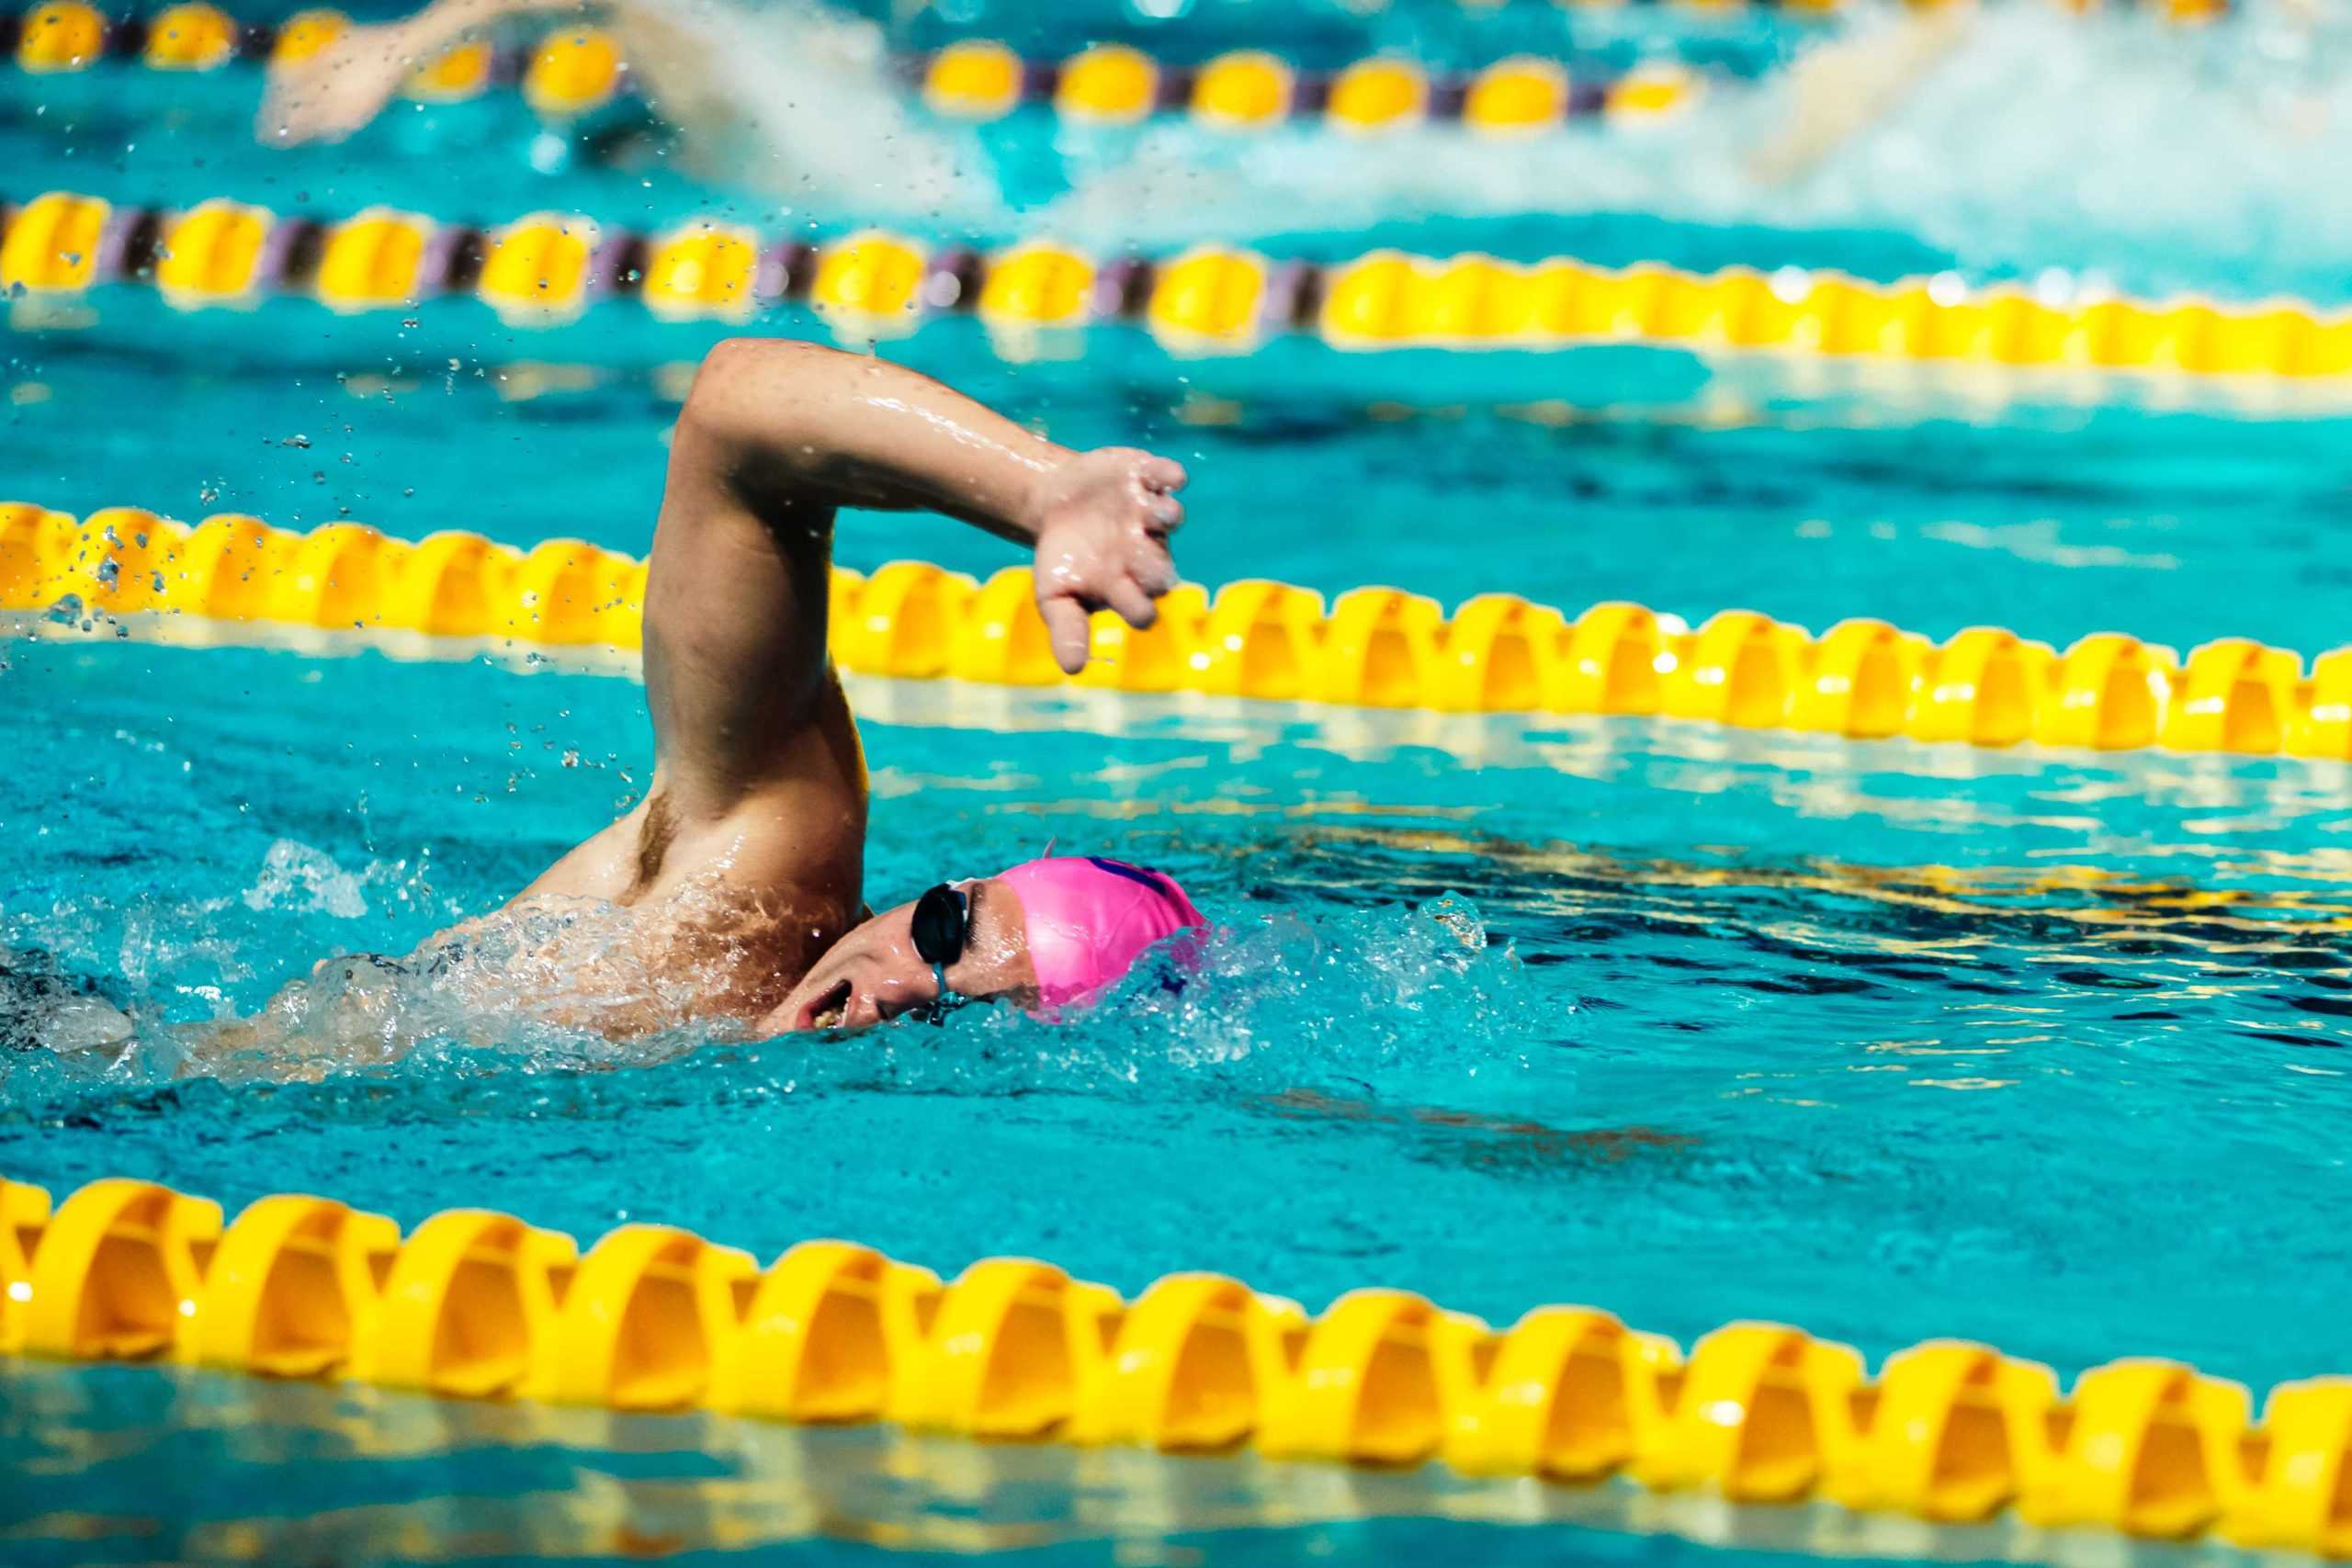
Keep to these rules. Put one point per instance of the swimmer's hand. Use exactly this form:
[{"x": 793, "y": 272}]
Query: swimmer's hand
[
  {"x": 337, "y": 90},
  {"x": 1101, "y": 521}
]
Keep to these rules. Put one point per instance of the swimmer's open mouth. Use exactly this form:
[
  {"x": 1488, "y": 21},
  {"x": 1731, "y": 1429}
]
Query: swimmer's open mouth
[{"x": 826, "y": 1010}]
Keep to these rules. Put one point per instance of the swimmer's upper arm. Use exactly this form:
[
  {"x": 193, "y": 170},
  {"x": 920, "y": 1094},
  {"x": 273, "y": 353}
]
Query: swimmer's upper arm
[
  {"x": 734, "y": 611},
  {"x": 774, "y": 437}
]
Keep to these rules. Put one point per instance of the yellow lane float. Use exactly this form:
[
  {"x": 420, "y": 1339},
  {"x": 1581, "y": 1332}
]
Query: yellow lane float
[
  {"x": 475, "y": 1304},
  {"x": 1371, "y": 648},
  {"x": 546, "y": 269}
]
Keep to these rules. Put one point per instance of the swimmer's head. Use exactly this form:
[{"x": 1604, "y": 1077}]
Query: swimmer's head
[{"x": 1047, "y": 934}]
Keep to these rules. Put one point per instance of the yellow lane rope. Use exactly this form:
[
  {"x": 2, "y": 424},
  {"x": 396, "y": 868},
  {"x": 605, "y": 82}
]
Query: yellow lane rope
[
  {"x": 1374, "y": 648},
  {"x": 475, "y": 1304},
  {"x": 575, "y": 70},
  {"x": 546, "y": 269},
  {"x": 572, "y": 70}
]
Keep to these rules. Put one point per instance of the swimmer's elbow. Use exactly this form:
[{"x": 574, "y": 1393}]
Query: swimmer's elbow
[
  {"x": 781, "y": 420},
  {"x": 733, "y": 359},
  {"x": 756, "y": 389}
]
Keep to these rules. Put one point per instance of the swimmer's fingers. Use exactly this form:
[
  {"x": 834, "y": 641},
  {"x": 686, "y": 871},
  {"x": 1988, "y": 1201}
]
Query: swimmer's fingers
[
  {"x": 1065, "y": 616},
  {"x": 1157, "y": 482},
  {"x": 1163, "y": 474},
  {"x": 1153, "y": 569},
  {"x": 1065, "y": 627},
  {"x": 1133, "y": 602}
]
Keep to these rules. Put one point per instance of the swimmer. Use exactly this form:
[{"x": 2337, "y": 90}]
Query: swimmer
[
  {"x": 333, "y": 93},
  {"x": 781, "y": 95},
  {"x": 737, "y": 881}
]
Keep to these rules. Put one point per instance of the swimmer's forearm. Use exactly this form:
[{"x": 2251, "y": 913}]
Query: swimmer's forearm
[
  {"x": 446, "y": 22},
  {"x": 862, "y": 432}
]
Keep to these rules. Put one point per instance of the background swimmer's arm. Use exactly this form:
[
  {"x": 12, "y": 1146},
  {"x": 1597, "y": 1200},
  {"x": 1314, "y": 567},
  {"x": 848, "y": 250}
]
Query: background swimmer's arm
[
  {"x": 347, "y": 84},
  {"x": 1855, "y": 80},
  {"x": 777, "y": 434}
]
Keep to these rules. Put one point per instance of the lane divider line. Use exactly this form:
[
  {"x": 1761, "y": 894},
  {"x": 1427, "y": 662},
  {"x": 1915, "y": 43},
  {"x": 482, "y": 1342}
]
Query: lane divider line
[
  {"x": 546, "y": 268},
  {"x": 1371, "y": 648},
  {"x": 575, "y": 71},
  {"x": 475, "y": 1304}
]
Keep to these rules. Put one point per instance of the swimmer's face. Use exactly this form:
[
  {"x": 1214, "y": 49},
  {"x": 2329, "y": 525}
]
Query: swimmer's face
[{"x": 874, "y": 973}]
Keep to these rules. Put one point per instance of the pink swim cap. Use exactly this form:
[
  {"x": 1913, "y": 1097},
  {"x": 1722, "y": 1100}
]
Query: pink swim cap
[{"x": 1089, "y": 919}]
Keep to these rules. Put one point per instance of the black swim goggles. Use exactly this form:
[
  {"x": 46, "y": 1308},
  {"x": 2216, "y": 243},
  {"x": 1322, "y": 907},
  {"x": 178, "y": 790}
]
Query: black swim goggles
[{"x": 943, "y": 919}]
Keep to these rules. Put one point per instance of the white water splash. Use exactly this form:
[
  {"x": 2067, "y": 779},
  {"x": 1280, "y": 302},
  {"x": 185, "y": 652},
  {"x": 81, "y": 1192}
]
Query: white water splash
[
  {"x": 296, "y": 876},
  {"x": 1268, "y": 1002},
  {"x": 2118, "y": 149},
  {"x": 799, "y": 101},
  {"x": 2166, "y": 157}
]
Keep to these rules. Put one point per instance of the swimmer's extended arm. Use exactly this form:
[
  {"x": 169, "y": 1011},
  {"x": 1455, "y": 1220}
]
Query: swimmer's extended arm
[
  {"x": 773, "y": 437},
  {"x": 347, "y": 84},
  {"x": 445, "y": 22},
  {"x": 1855, "y": 80}
]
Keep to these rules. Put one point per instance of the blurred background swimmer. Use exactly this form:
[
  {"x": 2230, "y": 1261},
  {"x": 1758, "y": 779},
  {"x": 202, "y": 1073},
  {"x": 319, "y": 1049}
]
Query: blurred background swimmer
[
  {"x": 2187, "y": 163},
  {"x": 786, "y": 96}
]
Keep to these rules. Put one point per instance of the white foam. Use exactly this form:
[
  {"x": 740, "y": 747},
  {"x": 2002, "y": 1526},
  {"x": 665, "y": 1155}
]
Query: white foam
[
  {"x": 296, "y": 876},
  {"x": 797, "y": 100},
  {"x": 2170, "y": 159},
  {"x": 2017, "y": 139}
]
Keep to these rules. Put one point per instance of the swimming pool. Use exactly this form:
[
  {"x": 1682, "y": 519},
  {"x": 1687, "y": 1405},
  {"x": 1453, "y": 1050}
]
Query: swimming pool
[
  {"x": 1890, "y": 1041},
  {"x": 1858, "y": 1056}
]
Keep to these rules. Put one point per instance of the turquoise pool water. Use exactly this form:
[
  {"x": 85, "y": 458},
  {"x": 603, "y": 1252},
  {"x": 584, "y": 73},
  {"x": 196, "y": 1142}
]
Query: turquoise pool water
[
  {"x": 2177, "y": 526},
  {"x": 1677, "y": 1024},
  {"x": 1890, "y": 1042}
]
